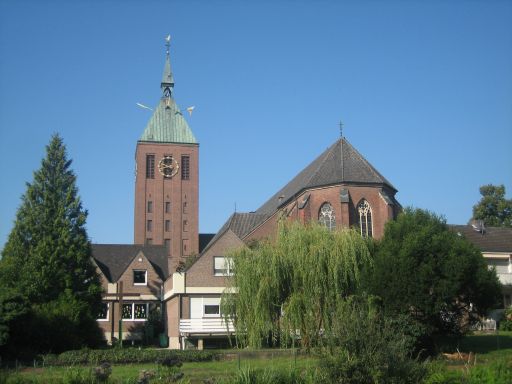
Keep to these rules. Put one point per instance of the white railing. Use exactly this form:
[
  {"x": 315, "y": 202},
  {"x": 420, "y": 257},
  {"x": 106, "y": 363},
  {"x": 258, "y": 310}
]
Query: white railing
[
  {"x": 485, "y": 325},
  {"x": 505, "y": 278},
  {"x": 215, "y": 325}
]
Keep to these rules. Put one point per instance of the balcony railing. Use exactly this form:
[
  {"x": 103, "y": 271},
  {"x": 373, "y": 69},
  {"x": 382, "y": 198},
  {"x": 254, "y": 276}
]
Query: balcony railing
[
  {"x": 505, "y": 278},
  {"x": 210, "y": 326}
]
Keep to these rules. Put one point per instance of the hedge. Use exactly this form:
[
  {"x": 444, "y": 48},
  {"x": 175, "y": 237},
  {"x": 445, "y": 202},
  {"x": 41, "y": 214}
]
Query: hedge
[{"x": 124, "y": 356}]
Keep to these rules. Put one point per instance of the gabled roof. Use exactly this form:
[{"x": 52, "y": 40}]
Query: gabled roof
[
  {"x": 493, "y": 239},
  {"x": 240, "y": 224},
  {"x": 113, "y": 259},
  {"x": 340, "y": 163}
]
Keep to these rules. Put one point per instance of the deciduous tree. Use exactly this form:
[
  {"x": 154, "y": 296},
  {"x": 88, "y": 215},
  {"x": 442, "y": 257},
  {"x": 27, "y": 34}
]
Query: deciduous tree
[
  {"x": 423, "y": 269},
  {"x": 294, "y": 283},
  {"x": 493, "y": 208}
]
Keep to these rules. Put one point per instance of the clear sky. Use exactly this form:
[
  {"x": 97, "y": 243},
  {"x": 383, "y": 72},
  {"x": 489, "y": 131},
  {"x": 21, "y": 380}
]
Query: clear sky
[{"x": 424, "y": 89}]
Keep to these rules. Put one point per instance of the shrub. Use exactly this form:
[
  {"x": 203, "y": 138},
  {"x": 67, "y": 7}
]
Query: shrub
[
  {"x": 124, "y": 356},
  {"x": 368, "y": 347},
  {"x": 506, "y": 323}
]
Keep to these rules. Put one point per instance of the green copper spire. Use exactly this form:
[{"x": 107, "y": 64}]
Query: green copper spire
[{"x": 167, "y": 124}]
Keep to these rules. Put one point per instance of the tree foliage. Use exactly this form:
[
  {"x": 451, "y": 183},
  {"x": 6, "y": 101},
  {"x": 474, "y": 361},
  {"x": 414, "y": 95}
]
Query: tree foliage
[
  {"x": 423, "y": 269},
  {"x": 47, "y": 258},
  {"x": 294, "y": 283},
  {"x": 493, "y": 208},
  {"x": 369, "y": 347}
]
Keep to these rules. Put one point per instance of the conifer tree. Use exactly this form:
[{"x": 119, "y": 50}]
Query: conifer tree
[{"x": 47, "y": 257}]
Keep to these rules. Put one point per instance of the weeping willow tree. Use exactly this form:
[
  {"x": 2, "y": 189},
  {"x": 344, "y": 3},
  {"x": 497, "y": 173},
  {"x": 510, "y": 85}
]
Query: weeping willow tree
[{"x": 291, "y": 288}]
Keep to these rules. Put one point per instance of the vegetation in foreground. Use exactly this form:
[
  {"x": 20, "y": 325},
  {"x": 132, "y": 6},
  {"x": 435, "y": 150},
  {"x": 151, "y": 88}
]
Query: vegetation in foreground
[{"x": 493, "y": 365}]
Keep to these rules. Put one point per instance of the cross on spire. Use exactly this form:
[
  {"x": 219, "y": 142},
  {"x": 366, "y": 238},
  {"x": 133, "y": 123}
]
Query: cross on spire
[{"x": 341, "y": 129}]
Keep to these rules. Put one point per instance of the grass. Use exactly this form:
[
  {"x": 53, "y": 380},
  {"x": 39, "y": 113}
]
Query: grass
[
  {"x": 490, "y": 348},
  {"x": 195, "y": 372}
]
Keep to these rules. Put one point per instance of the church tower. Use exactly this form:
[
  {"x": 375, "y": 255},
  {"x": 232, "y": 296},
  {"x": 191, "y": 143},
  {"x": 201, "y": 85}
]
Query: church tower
[{"x": 167, "y": 178}]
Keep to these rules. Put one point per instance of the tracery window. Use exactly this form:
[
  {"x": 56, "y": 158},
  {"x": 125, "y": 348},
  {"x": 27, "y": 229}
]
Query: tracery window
[
  {"x": 326, "y": 216},
  {"x": 365, "y": 218}
]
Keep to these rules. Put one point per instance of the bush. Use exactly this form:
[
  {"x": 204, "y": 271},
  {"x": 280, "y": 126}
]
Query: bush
[
  {"x": 125, "y": 356},
  {"x": 368, "y": 347},
  {"x": 506, "y": 323}
]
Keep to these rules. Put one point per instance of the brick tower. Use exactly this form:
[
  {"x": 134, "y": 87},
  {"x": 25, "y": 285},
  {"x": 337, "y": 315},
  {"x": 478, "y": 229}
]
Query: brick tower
[{"x": 167, "y": 178}]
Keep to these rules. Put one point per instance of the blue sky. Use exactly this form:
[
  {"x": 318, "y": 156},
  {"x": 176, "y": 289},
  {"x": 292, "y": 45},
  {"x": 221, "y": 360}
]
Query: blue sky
[{"x": 424, "y": 89}]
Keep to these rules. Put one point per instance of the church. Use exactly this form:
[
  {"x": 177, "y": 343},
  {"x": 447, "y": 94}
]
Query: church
[{"x": 173, "y": 269}]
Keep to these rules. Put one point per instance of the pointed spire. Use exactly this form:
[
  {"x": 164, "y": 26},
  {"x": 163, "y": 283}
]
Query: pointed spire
[{"x": 167, "y": 84}]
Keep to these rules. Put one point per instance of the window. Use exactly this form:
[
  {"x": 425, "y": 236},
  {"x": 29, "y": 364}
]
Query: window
[
  {"x": 326, "y": 216},
  {"x": 150, "y": 166},
  {"x": 135, "y": 311},
  {"x": 167, "y": 207},
  {"x": 150, "y": 206},
  {"x": 222, "y": 266},
  {"x": 167, "y": 225},
  {"x": 364, "y": 212},
  {"x": 185, "y": 167},
  {"x": 140, "y": 277},
  {"x": 211, "y": 310},
  {"x": 185, "y": 207},
  {"x": 103, "y": 313},
  {"x": 149, "y": 225},
  {"x": 149, "y": 241},
  {"x": 167, "y": 243},
  {"x": 185, "y": 225}
]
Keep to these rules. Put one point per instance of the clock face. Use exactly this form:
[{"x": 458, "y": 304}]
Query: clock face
[{"x": 168, "y": 167}]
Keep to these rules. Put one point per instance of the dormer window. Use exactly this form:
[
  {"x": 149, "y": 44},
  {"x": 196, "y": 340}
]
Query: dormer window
[{"x": 140, "y": 277}]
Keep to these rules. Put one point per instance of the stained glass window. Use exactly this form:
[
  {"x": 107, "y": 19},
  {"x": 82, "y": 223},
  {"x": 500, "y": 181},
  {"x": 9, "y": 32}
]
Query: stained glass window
[
  {"x": 326, "y": 216},
  {"x": 365, "y": 218}
]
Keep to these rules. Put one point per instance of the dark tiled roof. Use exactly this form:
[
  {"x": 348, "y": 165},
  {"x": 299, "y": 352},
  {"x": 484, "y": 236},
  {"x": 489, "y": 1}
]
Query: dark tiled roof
[
  {"x": 493, "y": 239},
  {"x": 113, "y": 259},
  {"x": 340, "y": 163},
  {"x": 241, "y": 224},
  {"x": 204, "y": 239}
]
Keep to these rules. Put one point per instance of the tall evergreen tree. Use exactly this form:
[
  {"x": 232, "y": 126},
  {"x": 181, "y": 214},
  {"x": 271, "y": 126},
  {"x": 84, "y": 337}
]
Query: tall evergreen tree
[{"x": 47, "y": 257}]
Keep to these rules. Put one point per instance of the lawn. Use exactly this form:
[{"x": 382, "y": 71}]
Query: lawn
[
  {"x": 195, "y": 372},
  {"x": 489, "y": 348}
]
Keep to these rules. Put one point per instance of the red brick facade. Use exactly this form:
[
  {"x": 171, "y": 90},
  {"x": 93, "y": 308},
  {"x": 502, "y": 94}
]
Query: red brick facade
[{"x": 167, "y": 208}]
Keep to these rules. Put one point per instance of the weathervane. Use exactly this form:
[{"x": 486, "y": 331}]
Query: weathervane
[{"x": 341, "y": 129}]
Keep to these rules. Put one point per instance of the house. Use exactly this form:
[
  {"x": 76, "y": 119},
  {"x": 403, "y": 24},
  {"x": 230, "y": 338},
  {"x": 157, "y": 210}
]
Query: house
[{"x": 496, "y": 247}]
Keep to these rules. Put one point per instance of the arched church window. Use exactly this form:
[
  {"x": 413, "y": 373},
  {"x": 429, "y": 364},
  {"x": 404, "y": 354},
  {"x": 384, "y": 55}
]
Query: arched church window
[
  {"x": 326, "y": 216},
  {"x": 365, "y": 218}
]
